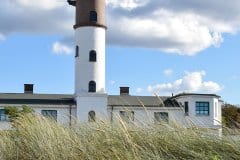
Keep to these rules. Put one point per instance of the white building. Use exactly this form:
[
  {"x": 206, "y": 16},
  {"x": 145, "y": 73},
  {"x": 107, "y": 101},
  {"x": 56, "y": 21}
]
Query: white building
[{"x": 90, "y": 101}]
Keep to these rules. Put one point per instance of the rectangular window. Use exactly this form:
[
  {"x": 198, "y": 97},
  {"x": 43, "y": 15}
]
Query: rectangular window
[
  {"x": 186, "y": 108},
  {"x": 3, "y": 116},
  {"x": 50, "y": 114},
  {"x": 127, "y": 116},
  {"x": 161, "y": 117},
  {"x": 202, "y": 108}
]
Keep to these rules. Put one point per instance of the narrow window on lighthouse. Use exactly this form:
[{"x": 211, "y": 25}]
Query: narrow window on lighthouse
[
  {"x": 93, "y": 16},
  {"x": 77, "y": 51},
  {"x": 92, "y": 86},
  {"x": 92, "y": 56}
]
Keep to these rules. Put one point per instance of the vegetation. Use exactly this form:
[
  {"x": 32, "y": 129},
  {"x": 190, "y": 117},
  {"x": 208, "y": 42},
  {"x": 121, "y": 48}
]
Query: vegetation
[
  {"x": 14, "y": 112},
  {"x": 231, "y": 116},
  {"x": 36, "y": 137}
]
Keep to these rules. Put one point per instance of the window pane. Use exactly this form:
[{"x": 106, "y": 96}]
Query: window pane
[
  {"x": 3, "y": 116},
  {"x": 157, "y": 116},
  {"x": 50, "y": 114},
  {"x": 92, "y": 86},
  {"x": 202, "y": 108},
  {"x": 92, "y": 56},
  {"x": 77, "y": 51},
  {"x": 93, "y": 16},
  {"x": 161, "y": 116},
  {"x": 186, "y": 108},
  {"x": 127, "y": 116}
]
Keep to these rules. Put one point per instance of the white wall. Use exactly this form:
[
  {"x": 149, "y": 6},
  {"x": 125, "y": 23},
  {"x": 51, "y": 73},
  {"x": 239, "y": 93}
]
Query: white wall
[
  {"x": 98, "y": 103},
  {"x": 92, "y": 102},
  {"x": 217, "y": 112},
  {"x": 212, "y": 120},
  {"x": 5, "y": 125},
  {"x": 90, "y": 38},
  {"x": 145, "y": 116},
  {"x": 63, "y": 114}
]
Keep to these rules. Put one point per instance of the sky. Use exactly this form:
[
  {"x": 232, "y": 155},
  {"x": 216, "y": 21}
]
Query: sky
[{"x": 153, "y": 46}]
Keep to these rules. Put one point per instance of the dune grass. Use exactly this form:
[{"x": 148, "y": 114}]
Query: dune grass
[{"x": 35, "y": 137}]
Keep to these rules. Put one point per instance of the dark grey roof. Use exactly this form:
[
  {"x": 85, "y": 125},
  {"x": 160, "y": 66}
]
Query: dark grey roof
[
  {"x": 22, "y": 98},
  {"x": 134, "y": 101},
  {"x": 140, "y": 101},
  {"x": 196, "y": 94}
]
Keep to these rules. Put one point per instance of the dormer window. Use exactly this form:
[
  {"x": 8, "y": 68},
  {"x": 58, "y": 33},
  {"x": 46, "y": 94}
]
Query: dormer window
[
  {"x": 93, "y": 16},
  {"x": 92, "y": 56}
]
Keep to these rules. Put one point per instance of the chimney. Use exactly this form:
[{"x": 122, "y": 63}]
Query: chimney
[
  {"x": 28, "y": 88},
  {"x": 124, "y": 91}
]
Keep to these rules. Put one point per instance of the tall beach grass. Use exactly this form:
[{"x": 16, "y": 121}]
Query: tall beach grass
[{"x": 35, "y": 137}]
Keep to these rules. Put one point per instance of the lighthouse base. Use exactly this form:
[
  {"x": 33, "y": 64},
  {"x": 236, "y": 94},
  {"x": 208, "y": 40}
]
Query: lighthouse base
[{"x": 92, "y": 107}]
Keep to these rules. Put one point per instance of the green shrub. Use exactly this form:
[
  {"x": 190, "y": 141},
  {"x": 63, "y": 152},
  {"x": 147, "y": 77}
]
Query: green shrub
[
  {"x": 14, "y": 112},
  {"x": 231, "y": 116}
]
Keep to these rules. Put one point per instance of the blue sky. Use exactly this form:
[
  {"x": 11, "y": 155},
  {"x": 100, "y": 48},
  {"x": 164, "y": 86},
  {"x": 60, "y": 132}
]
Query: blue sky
[{"x": 188, "y": 47}]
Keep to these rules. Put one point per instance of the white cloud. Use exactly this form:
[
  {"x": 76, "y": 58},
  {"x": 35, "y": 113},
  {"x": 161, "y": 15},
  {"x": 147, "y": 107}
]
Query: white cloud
[
  {"x": 60, "y": 48},
  {"x": 126, "y": 4},
  {"x": 181, "y": 33},
  {"x": 168, "y": 72},
  {"x": 211, "y": 87},
  {"x": 184, "y": 27},
  {"x": 44, "y": 4},
  {"x": 36, "y": 17},
  {"x": 191, "y": 82},
  {"x": 217, "y": 39},
  {"x": 139, "y": 90}
]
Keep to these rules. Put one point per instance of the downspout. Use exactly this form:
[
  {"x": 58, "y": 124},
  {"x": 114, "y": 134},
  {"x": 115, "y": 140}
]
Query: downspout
[
  {"x": 111, "y": 113},
  {"x": 70, "y": 115}
]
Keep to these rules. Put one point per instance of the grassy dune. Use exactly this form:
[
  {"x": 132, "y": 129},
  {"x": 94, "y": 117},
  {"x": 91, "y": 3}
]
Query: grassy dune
[{"x": 40, "y": 138}]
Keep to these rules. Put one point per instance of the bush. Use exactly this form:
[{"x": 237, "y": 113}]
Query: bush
[
  {"x": 231, "y": 116},
  {"x": 14, "y": 112},
  {"x": 36, "y": 137}
]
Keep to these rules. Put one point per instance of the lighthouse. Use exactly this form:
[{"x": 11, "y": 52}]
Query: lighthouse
[{"x": 90, "y": 29}]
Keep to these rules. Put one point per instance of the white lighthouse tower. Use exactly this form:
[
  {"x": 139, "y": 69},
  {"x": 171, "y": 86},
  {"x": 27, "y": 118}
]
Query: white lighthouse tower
[{"x": 90, "y": 29}]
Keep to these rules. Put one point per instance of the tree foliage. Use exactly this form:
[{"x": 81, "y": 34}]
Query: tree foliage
[
  {"x": 15, "y": 112},
  {"x": 231, "y": 116}
]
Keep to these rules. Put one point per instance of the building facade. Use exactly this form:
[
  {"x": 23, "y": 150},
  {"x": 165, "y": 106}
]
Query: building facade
[
  {"x": 186, "y": 109},
  {"x": 90, "y": 102}
]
